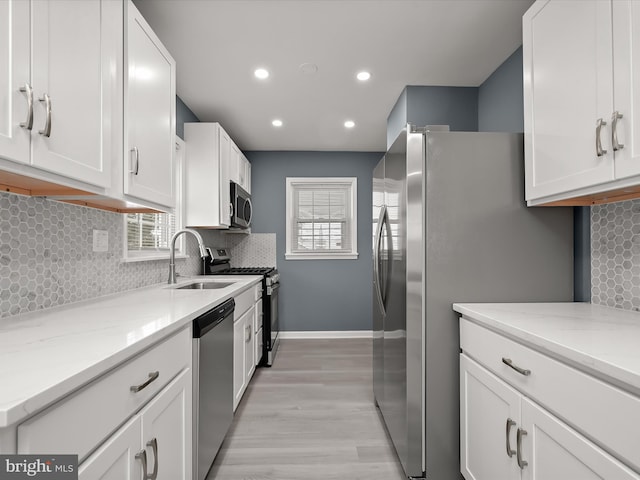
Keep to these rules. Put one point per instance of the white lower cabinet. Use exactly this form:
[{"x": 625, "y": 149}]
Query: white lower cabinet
[
  {"x": 512, "y": 430},
  {"x": 116, "y": 458},
  {"x": 247, "y": 338},
  {"x": 137, "y": 413},
  {"x": 243, "y": 354},
  {"x": 156, "y": 440}
]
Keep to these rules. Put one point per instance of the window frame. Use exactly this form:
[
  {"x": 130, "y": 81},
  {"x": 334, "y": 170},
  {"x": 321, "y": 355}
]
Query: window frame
[
  {"x": 143, "y": 256},
  {"x": 352, "y": 184}
]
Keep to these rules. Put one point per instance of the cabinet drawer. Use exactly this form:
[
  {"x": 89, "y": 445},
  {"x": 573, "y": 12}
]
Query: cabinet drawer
[
  {"x": 78, "y": 423},
  {"x": 244, "y": 302},
  {"x": 257, "y": 292},
  {"x": 599, "y": 410}
]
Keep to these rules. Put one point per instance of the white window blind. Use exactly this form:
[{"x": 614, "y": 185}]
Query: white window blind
[
  {"x": 150, "y": 232},
  {"x": 321, "y": 218}
]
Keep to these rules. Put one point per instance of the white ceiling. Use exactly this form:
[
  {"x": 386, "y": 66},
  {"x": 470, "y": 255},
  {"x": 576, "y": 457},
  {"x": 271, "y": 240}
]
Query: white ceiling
[{"x": 217, "y": 45}]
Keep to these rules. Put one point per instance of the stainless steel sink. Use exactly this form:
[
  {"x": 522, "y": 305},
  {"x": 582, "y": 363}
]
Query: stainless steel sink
[{"x": 205, "y": 285}]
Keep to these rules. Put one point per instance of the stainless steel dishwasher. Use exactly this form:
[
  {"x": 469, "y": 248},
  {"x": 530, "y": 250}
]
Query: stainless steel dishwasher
[{"x": 212, "y": 384}]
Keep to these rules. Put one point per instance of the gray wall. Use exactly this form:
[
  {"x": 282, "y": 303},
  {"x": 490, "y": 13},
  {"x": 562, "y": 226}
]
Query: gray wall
[
  {"x": 500, "y": 109},
  {"x": 316, "y": 295},
  {"x": 183, "y": 114},
  {"x": 500, "y": 98},
  {"x": 428, "y": 105}
]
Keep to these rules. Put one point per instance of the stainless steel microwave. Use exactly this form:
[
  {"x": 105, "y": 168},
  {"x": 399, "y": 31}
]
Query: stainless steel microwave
[{"x": 241, "y": 207}]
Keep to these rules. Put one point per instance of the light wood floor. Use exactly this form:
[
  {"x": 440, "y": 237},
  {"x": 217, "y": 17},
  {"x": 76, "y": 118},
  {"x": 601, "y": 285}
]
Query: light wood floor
[{"x": 311, "y": 416}]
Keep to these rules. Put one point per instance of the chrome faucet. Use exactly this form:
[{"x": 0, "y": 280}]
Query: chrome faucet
[{"x": 172, "y": 251}]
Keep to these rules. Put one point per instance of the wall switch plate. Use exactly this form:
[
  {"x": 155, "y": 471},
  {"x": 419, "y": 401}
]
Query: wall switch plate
[{"x": 100, "y": 240}]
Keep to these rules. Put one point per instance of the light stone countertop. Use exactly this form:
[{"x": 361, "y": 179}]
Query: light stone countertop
[
  {"x": 47, "y": 354},
  {"x": 600, "y": 340}
]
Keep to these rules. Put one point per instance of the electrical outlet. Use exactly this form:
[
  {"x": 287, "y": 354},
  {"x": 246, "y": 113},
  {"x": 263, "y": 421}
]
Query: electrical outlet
[{"x": 100, "y": 240}]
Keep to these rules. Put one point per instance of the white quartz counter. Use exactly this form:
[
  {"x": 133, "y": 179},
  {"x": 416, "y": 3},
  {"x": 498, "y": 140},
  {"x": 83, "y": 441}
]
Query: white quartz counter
[
  {"x": 45, "y": 355},
  {"x": 600, "y": 340}
]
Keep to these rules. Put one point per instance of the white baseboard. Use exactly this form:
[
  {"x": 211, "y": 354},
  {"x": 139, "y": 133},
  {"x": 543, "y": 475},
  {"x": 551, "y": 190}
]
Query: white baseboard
[{"x": 327, "y": 334}]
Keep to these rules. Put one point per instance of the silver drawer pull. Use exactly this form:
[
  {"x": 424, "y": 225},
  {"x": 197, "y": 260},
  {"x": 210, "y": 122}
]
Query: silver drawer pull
[
  {"x": 154, "y": 446},
  {"x": 521, "y": 371},
  {"x": 152, "y": 377},
  {"x": 46, "y": 131},
  {"x": 510, "y": 423},
  {"x": 521, "y": 463},
  {"x": 599, "y": 150},
  {"x": 28, "y": 123},
  {"x": 614, "y": 131},
  {"x": 142, "y": 456}
]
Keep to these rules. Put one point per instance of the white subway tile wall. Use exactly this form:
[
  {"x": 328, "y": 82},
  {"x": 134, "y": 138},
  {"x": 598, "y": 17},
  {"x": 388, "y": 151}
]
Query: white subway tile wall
[
  {"x": 47, "y": 258},
  {"x": 615, "y": 255}
]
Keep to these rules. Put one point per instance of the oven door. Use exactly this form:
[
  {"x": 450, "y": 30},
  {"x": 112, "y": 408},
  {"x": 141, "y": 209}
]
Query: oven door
[
  {"x": 242, "y": 211},
  {"x": 272, "y": 341}
]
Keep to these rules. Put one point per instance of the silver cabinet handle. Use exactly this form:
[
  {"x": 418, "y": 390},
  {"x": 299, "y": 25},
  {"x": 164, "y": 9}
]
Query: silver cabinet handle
[
  {"x": 614, "y": 131},
  {"x": 510, "y": 423},
  {"x": 154, "y": 446},
  {"x": 521, "y": 371},
  {"x": 136, "y": 157},
  {"x": 46, "y": 131},
  {"x": 142, "y": 456},
  {"x": 152, "y": 376},
  {"x": 28, "y": 124},
  {"x": 521, "y": 463},
  {"x": 599, "y": 150}
]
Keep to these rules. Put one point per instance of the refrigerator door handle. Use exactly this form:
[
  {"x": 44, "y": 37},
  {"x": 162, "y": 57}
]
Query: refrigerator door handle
[{"x": 376, "y": 258}]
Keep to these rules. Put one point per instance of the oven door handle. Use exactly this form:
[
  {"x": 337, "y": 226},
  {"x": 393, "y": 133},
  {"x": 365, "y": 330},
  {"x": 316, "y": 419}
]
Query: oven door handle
[{"x": 273, "y": 288}]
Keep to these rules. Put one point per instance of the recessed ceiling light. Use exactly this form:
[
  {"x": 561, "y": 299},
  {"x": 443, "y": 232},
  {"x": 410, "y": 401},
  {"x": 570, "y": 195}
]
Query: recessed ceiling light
[
  {"x": 276, "y": 123},
  {"x": 349, "y": 124},
  {"x": 261, "y": 73},
  {"x": 309, "y": 68},
  {"x": 363, "y": 76}
]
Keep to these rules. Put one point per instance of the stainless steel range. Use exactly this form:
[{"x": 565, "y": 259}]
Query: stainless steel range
[{"x": 218, "y": 262}]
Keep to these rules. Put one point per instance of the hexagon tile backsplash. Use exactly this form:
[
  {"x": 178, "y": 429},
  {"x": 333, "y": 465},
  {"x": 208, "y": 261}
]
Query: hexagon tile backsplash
[
  {"x": 47, "y": 258},
  {"x": 615, "y": 255}
]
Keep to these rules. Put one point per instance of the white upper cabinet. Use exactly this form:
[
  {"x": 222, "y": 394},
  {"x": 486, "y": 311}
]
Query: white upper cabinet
[
  {"x": 626, "y": 76},
  {"x": 239, "y": 168},
  {"x": 59, "y": 86},
  {"x": 149, "y": 113},
  {"x": 579, "y": 67},
  {"x": 207, "y": 194},
  {"x": 15, "y": 81}
]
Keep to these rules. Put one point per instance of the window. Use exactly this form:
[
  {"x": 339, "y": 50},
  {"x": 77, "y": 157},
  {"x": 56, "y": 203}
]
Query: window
[
  {"x": 321, "y": 218},
  {"x": 148, "y": 235}
]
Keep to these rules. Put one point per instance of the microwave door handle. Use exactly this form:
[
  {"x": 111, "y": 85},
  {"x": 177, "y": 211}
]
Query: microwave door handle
[{"x": 250, "y": 211}]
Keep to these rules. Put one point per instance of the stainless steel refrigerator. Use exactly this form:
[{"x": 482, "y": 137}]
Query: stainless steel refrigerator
[{"x": 450, "y": 225}]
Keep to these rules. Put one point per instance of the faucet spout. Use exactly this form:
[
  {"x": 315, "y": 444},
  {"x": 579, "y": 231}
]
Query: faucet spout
[{"x": 172, "y": 251}]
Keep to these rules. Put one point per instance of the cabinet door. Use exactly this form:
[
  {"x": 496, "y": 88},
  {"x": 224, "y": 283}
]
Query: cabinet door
[
  {"x": 568, "y": 86},
  {"x": 486, "y": 405},
  {"x": 74, "y": 84},
  {"x": 239, "y": 343},
  {"x": 235, "y": 161},
  {"x": 626, "y": 74},
  {"x": 248, "y": 179},
  {"x": 556, "y": 452},
  {"x": 250, "y": 345},
  {"x": 150, "y": 101},
  {"x": 115, "y": 459},
  {"x": 224, "y": 144},
  {"x": 14, "y": 75},
  {"x": 167, "y": 420}
]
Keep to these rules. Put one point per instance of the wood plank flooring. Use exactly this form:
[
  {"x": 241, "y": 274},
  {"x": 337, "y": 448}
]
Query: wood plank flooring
[{"x": 311, "y": 416}]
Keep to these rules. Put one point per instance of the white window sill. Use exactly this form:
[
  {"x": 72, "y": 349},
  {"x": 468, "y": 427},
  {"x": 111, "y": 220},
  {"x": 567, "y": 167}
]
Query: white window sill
[
  {"x": 320, "y": 256},
  {"x": 151, "y": 257}
]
